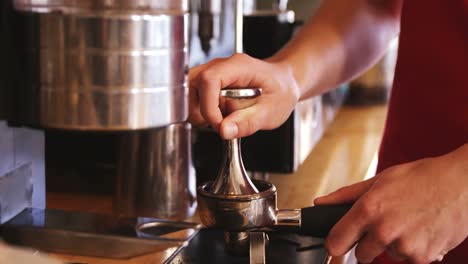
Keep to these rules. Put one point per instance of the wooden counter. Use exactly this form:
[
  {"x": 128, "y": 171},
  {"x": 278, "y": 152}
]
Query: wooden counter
[{"x": 342, "y": 157}]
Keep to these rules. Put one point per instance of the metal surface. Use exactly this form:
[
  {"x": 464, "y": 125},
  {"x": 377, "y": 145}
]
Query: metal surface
[
  {"x": 16, "y": 189},
  {"x": 155, "y": 177},
  {"x": 239, "y": 26},
  {"x": 221, "y": 46},
  {"x": 209, "y": 23},
  {"x": 265, "y": 7},
  {"x": 291, "y": 217},
  {"x": 29, "y": 147},
  {"x": 237, "y": 243},
  {"x": 207, "y": 248},
  {"x": 232, "y": 178},
  {"x": 22, "y": 174},
  {"x": 240, "y": 93},
  {"x": 7, "y": 148},
  {"x": 258, "y": 212},
  {"x": 238, "y": 212},
  {"x": 153, "y": 6},
  {"x": 258, "y": 241},
  {"x": 103, "y": 65},
  {"x": 93, "y": 235}
]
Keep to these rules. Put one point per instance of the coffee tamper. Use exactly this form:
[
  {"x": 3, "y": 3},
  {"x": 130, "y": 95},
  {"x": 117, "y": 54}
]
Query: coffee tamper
[{"x": 232, "y": 178}]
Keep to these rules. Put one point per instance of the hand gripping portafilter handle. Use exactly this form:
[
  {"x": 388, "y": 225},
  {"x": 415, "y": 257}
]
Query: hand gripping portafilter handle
[{"x": 318, "y": 220}]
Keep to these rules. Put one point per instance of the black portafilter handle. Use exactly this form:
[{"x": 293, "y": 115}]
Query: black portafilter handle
[{"x": 318, "y": 220}]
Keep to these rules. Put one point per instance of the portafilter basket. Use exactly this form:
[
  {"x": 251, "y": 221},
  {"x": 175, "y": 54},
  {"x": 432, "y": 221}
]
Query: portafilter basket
[{"x": 236, "y": 213}]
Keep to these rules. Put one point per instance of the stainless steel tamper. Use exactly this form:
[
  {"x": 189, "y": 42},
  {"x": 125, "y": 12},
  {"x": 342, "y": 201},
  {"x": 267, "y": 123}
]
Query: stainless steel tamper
[{"x": 232, "y": 178}]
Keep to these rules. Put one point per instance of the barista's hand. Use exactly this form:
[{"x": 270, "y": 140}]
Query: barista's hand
[
  {"x": 279, "y": 94},
  {"x": 416, "y": 211}
]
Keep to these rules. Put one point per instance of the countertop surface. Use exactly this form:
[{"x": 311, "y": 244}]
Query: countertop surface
[{"x": 343, "y": 156}]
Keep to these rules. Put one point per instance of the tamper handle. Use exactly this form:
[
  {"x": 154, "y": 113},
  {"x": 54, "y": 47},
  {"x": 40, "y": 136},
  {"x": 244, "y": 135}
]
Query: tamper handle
[
  {"x": 232, "y": 178},
  {"x": 234, "y": 99}
]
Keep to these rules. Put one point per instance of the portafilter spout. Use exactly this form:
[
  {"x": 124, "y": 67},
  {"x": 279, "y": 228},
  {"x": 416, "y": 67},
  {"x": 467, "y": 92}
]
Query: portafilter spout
[{"x": 232, "y": 178}]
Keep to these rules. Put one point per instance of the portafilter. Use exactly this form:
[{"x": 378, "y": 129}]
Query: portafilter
[{"x": 234, "y": 203}]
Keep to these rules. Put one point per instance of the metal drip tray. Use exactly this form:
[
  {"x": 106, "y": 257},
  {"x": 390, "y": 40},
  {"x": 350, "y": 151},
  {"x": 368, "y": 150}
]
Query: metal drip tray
[
  {"x": 87, "y": 234},
  {"x": 208, "y": 247}
]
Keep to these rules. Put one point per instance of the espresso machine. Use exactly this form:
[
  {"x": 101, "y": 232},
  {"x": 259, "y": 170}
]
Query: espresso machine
[{"x": 93, "y": 94}]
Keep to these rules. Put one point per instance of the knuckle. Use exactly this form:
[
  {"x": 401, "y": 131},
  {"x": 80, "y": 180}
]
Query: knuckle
[
  {"x": 205, "y": 77},
  {"x": 426, "y": 259},
  {"x": 383, "y": 236},
  {"x": 210, "y": 116},
  {"x": 195, "y": 118},
  {"x": 344, "y": 189},
  {"x": 217, "y": 60},
  {"x": 403, "y": 247},
  {"x": 394, "y": 171},
  {"x": 367, "y": 208},
  {"x": 240, "y": 56}
]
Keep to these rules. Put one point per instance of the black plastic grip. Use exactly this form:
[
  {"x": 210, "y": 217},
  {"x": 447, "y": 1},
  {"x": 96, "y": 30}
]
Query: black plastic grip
[{"x": 318, "y": 220}]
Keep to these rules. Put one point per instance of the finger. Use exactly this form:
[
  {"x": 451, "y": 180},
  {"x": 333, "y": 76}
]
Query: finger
[
  {"x": 195, "y": 117},
  {"x": 208, "y": 95},
  {"x": 369, "y": 248},
  {"x": 244, "y": 122},
  {"x": 346, "y": 232},
  {"x": 198, "y": 80},
  {"x": 195, "y": 71},
  {"x": 228, "y": 73},
  {"x": 348, "y": 194}
]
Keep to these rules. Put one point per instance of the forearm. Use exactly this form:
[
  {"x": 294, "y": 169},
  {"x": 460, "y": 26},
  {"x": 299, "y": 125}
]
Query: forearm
[{"x": 343, "y": 39}]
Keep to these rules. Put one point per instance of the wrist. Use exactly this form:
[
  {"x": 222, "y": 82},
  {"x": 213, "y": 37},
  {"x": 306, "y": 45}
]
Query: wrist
[
  {"x": 294, "y": 72},
  {"x": 288, "y": 71}
]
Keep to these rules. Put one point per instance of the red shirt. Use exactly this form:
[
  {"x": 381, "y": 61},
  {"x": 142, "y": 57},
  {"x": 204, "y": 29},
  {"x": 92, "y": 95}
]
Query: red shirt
[{"x": 428, "y": 112}]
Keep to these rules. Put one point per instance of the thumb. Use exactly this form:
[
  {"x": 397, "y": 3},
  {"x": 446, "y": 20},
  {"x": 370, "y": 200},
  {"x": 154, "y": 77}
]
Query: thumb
[
  {"x": 348, "y": 194},
  {"x": 244, "y": 122}
]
